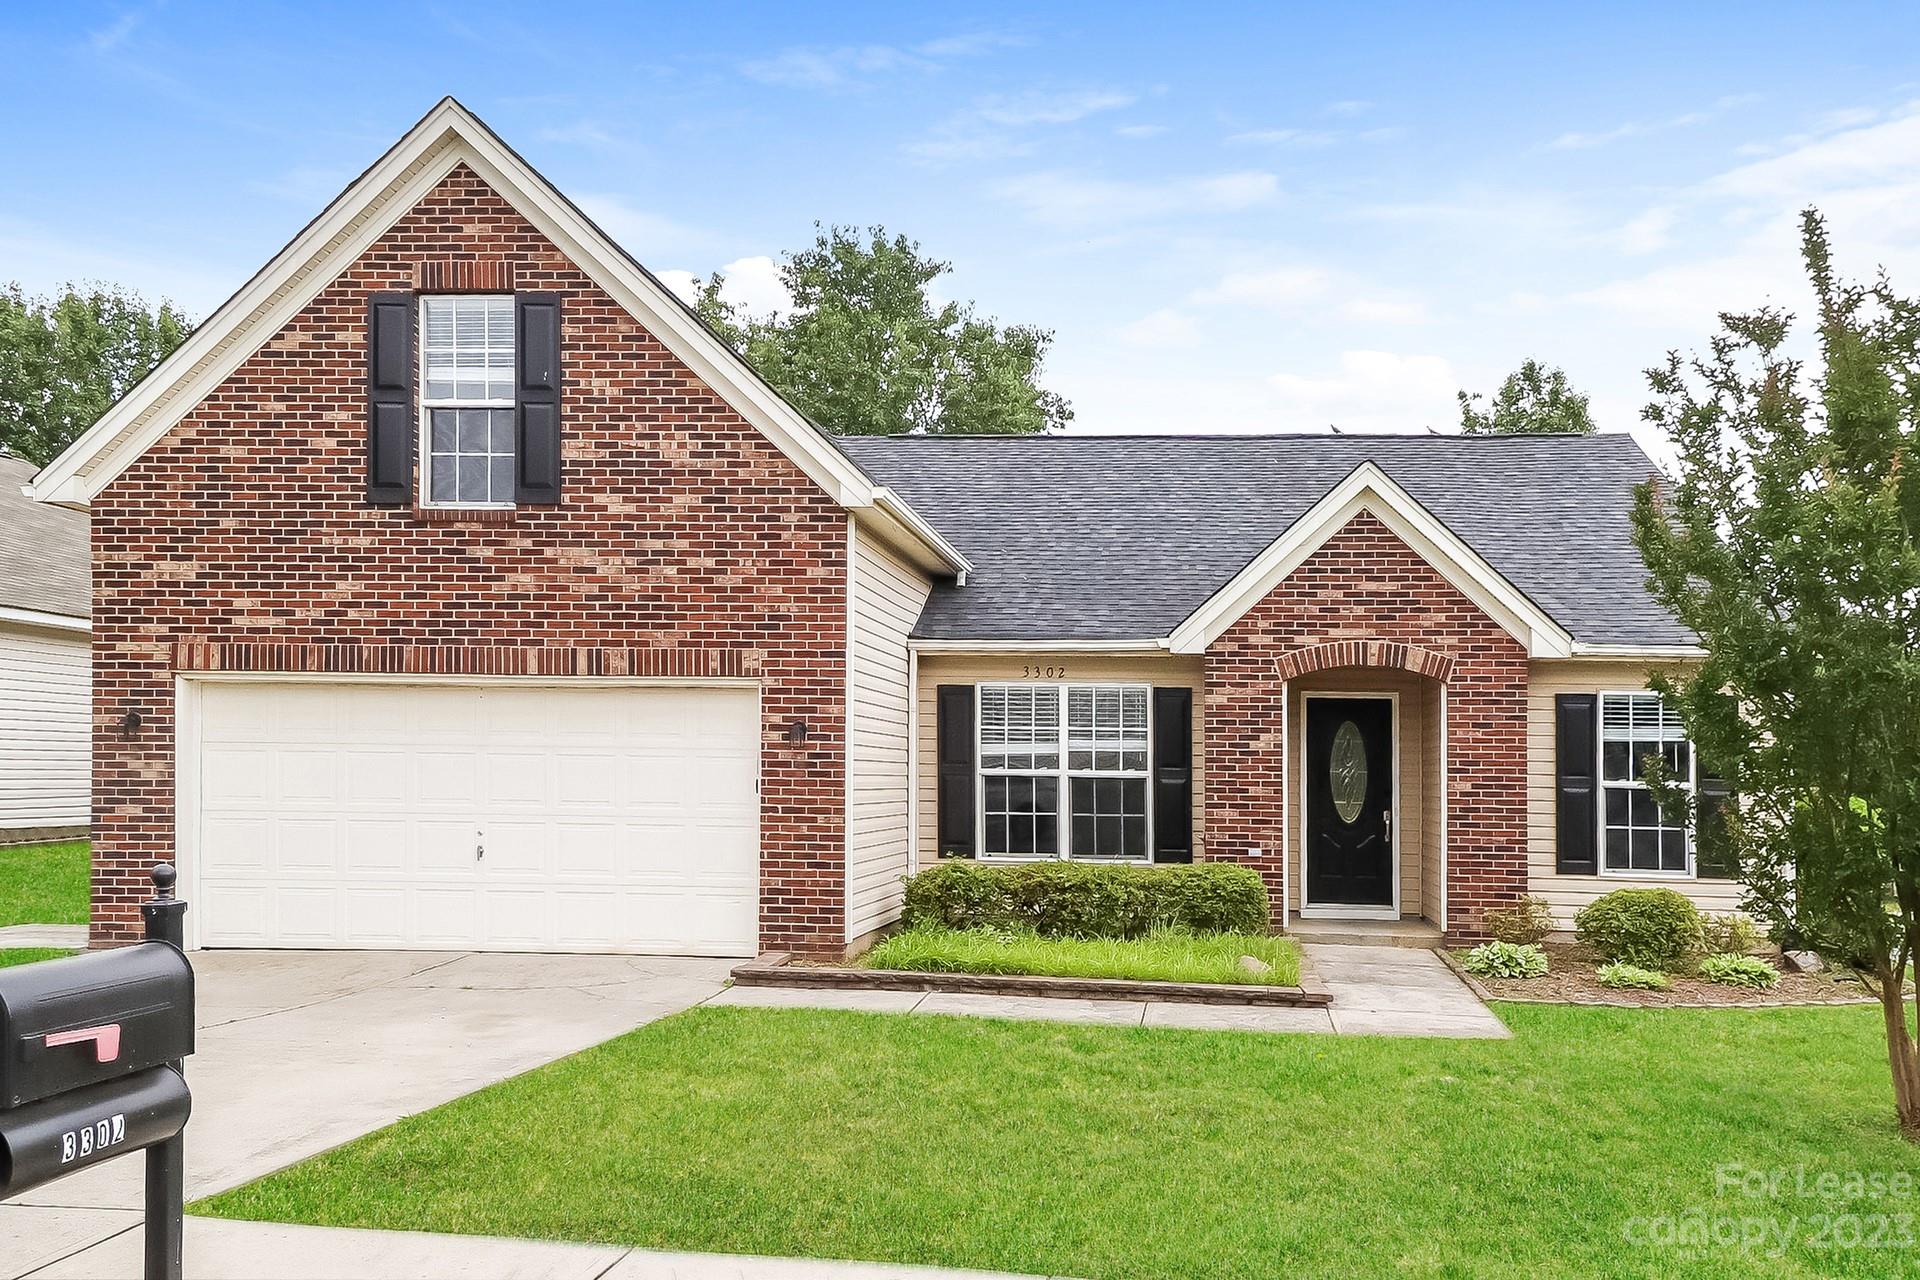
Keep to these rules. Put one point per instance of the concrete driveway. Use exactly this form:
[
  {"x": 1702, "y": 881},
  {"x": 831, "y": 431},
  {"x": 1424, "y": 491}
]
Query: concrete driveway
[{"x": 299, "y": 1051}]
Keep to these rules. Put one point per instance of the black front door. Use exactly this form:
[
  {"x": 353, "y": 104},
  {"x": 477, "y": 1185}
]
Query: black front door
[{"x": 1349, "y": 795}]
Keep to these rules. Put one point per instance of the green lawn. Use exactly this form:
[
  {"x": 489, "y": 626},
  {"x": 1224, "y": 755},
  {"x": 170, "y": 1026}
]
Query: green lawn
[
  {"x": 1104, "y": 1152},
  {"x": 10, "y": 956},
  {"x": 1164, "y": 956},
  {"x": 44, "y": 883}
]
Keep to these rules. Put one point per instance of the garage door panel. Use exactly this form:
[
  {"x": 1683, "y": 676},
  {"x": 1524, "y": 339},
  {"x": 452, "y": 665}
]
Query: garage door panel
[{"x": 613, "y": 819}]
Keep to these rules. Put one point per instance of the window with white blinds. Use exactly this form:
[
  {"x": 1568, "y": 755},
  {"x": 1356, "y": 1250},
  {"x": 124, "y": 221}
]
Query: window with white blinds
[
  {"x": 1639, "y": 839},
  {"x": 1064, "y": 761}
]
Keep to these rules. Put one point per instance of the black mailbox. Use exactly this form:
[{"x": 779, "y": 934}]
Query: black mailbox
[
  {"x": 94, "y": 1018},
  {"x": 57, "y": 1136}
]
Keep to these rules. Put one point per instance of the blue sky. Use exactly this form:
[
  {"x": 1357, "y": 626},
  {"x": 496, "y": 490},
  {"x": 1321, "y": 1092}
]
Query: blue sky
[{"x": 1233, "y": 217}]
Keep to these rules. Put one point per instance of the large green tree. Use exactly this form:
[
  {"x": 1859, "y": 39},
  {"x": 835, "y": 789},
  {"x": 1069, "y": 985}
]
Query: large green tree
[
  {"x": 1789, "y": 540},
  {"x": 65, "y": 359},
  {"x": 864, "y": 351},
  {"x": 1535, "y": 399}
]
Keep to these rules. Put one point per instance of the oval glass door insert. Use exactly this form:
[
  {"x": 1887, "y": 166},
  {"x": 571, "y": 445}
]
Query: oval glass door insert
[{"x": 1347, "y": 770}]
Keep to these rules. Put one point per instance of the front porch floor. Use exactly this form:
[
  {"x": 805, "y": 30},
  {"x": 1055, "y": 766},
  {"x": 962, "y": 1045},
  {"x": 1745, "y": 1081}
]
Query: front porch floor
[{"x": 1423, "y": 935}]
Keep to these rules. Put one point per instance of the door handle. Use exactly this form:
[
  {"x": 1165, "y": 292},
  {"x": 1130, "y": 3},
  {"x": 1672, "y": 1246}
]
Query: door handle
[
  {"x": 479, "y": 845},
  {"x": 1386, "y": 819}
]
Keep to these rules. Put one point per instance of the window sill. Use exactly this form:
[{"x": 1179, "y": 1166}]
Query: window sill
[{"x": 466, "y": 515}]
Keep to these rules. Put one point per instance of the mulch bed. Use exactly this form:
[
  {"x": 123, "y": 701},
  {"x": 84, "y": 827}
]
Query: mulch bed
[{"x": 1571, "y": 980}]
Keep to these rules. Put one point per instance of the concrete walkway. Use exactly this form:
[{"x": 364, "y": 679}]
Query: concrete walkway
[
  {"x": 299, "y": 1051},
  {"x": 219, "y": 1250},
  {"x": 1383, "y": 991},
  {"x": 1400, "y": 991},
  {"x": 70, "y": 936}
]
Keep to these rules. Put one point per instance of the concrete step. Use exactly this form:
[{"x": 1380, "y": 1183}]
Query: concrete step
[{"x": 1368, "y": 933}]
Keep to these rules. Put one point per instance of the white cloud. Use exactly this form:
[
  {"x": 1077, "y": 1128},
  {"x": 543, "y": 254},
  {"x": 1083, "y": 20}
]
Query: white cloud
[
  {"x": 1076, "y": 201},
  {"x": 1647, "y": 233},
  {"x": 1386, "y": 310},
  {"x": 1302, "y": 138},
  {"x": 1851, "y": 157},
  {"x": 999, "y": 124},
  {"x": 1138, "y": 131},
  {"x": 115, "y": 33},
  {"x": 648, "y": 236},
  {"x": 752, "y": 284},
  {"x": 1574, "y": 141},
  {"x": 841, "y": 68},
  {"x": 1348, "y": 107},
  {"x": 1280, "y": 288},
  {"x": 1370, "y": 391},
  {"x": 1163, "y": 328},
  {"x": 848, "y": 66}
]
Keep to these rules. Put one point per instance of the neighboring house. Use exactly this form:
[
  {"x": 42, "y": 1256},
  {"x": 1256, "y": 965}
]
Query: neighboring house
[
  {"x": 46, "y": 589},
  {"x": 457, "y": 589}
]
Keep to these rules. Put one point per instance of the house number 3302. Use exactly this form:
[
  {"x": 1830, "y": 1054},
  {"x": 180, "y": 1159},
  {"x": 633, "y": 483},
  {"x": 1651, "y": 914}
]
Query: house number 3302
[
  {"x": 77, "y": 1144},
  {"x": 1031, "y": 672}
]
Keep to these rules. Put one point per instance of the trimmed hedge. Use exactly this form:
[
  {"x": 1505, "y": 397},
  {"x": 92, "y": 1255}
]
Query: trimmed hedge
[
  {"x": 1086, "y": 900},
  {"x": 1648, "y": 928}
]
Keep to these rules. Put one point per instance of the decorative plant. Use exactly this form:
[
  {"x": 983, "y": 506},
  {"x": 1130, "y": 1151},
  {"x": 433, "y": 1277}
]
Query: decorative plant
[
  {"x": 1737, "y": 970},
  {"x": 1506, "y": 960},
  {"x": 1526, "y": 921},
  {"x": 1623, "y": 976},
  {"x": 1732, "y": 932},
  {"x": 1651, "y": 928}
]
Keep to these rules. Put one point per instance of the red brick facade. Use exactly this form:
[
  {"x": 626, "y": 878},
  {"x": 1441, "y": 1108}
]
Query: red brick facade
[
  {"x": 686, "y": 544},
  {"x": 1366, "y": 598}
]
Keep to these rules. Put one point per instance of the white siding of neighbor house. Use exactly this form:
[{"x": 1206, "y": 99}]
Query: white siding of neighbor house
[
  {"x": 1570, "y": 893},
  {"x": 884, "y": 602},
  {"x": 45, "y": 742}
]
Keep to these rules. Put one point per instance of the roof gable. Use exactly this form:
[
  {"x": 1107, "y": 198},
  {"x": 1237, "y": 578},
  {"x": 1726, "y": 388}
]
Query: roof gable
[
  {"x": 1367, "y": 488},
  {"x": 446, "y": 137}
]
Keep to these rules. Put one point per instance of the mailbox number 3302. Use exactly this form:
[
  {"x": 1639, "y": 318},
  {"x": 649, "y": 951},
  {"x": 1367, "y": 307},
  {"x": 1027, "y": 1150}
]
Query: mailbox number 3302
[{"x": 78, "y": 1144}]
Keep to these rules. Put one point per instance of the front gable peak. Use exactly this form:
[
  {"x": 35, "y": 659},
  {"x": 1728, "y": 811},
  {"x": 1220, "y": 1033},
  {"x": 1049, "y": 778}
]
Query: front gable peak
[{"x": 1368, "y": 489}]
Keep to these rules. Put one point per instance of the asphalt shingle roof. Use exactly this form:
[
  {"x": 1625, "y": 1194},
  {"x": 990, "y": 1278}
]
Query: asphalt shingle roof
[
  {"x": 45, "y": 559},
  {"x": 1080, "y": 537}
]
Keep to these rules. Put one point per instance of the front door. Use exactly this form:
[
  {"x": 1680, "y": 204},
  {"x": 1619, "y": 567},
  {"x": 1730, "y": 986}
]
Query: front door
[{"x": 1349, "y": 802}]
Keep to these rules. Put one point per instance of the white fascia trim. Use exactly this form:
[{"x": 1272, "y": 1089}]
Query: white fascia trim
[
  {"x": 1368, "y": 488},
  {"x": 900, "y": 527},
  {"x": 51, "y": 621},
  {"x": 448, "y": 135},
  {"x": 1148, "y": 646},
  {"x": 1644, "y": 652}
]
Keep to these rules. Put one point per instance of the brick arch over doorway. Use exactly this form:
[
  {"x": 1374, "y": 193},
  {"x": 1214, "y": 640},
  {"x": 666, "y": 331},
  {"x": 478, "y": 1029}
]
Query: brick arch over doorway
[{"x": 1365, "y": 653}]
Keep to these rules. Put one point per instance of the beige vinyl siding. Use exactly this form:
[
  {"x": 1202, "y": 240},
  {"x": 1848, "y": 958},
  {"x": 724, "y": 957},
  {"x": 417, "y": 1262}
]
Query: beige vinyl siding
[
  {"x": 886, "y": 599},
  {"x": 45, "y": 747},
  {"x": 1417, "y": 812},
  {"x": 1570, "y": 893},
  {"x": 937, "y": 669}
]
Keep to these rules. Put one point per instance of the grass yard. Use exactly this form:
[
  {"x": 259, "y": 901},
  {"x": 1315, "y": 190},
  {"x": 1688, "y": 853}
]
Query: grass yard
[
  {"x": 10, "y": 956},
  {"x": 1166, "y": 956},
  {"x": 1103, "y": 1152},
  {"x": 44, "y": 883}
]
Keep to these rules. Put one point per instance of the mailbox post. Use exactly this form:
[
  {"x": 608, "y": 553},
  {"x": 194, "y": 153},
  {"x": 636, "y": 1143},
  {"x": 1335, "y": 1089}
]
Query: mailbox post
[
  {"x": 164, "y": 918},
  {"x": 91, "y": 1053}
]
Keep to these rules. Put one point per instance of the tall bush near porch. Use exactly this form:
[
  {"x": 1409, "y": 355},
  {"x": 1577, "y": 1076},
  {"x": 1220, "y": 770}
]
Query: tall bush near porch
[{"x": 1789, "y": 541}]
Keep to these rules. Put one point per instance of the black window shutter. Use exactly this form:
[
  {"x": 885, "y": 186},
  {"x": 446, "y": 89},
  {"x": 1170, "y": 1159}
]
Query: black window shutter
[
  {"x": 1172, "y": 775},
  {"x": 1576, "y": 757},
  {"x": 536, "y": 325},
  {"x": 956, "y": 770},
  {"x": 390, "y": 426},
  {"x": 1713, "y": 857}
]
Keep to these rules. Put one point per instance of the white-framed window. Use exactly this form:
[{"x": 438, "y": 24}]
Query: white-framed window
[
  {"x": 1064, "y": 771},
  {"x": 467, "y": 400},
  {"x": 1636, "y": 838}
]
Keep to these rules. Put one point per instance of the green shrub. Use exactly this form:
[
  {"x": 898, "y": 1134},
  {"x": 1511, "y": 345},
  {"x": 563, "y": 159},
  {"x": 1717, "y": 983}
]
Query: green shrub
[
  {"x": 1730, "y": 933},
  {"x": 1619, "y": 975},
  {"x": 1506, "y": 960},
  {"x": 1526, "y": 921},
  {"x": 1650, "y": 928},
  {"x": 1085, "y": 900},
  {"x": 1737, "y": 970}
]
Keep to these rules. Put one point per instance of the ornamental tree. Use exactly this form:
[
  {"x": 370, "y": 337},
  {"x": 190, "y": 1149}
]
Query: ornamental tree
[
  {"x": 1789, "y": 541},
  {"x": 1535, "y": 399}
]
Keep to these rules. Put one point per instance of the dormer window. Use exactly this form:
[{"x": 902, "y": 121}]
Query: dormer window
[{"x": 467, "y": 400}]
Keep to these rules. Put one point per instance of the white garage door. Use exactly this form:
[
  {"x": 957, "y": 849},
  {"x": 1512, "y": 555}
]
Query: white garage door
[{"x": 458, "y": 817}]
